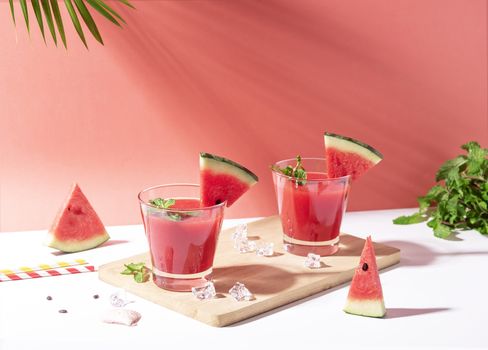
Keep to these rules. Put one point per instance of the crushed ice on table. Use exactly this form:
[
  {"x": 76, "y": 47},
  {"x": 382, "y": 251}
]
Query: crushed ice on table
[
  {"x": 265, "y": 249},
  {"x": 312, "y": 261},
  {"x": 119, "y": 298},
  {"x": 206, "y": 292},
  {"x": 239, "y": 292},
  {"x": 240, "y": 232},
  {"x": 243, "y": 245}
]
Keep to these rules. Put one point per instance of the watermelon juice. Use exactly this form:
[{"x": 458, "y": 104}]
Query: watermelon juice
[
  {"x": 182, "y": 238},
  {"x": 311, "y": 211}
]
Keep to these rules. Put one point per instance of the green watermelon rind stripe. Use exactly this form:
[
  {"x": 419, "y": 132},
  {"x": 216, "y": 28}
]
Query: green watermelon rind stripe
[
  {"x": 338, "y": 141},
  {"x": 211, "y": 161},
  {"x": 73, "y": 245}
]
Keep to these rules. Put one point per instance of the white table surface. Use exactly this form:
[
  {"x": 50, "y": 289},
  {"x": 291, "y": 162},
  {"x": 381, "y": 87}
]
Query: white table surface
[{"x": 437, "y": 297}]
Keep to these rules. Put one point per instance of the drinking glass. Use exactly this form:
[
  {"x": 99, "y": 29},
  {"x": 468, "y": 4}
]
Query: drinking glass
[
  {"x": 311, "y": 210},
  {"x": 182, "y": 238}
]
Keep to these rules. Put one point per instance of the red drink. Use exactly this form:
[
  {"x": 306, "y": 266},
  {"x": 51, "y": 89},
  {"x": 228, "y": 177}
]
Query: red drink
[
  {"x": 311, "y": 212},
  {"x": 182, "y": 241}
]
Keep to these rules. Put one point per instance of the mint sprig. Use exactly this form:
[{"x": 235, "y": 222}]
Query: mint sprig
[
  {"x": 298, "y": 171},
  {"x": 162, "y": 203},
  {"x": 460, "y": 200},
  {"x": 138, "y": 270}
]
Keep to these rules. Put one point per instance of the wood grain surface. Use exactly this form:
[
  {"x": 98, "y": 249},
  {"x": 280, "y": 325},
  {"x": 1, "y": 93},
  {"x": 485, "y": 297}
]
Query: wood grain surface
[{"x": 274, "y": 281}]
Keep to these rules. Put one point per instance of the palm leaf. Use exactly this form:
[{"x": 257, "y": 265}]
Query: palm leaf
[
  {"x": 127, "y": 3},
  {"x": 109, "y": 9},
  {"x": 59, "y": 20},
  {"x": 49, "y": 19},
  {"x": 49, "y": 9},
  {"x": 23, "y": 5},
  {"x": 99, "y": 7},
  {"x": 74, "y": 19},
  {"x": 37, "y": 12},
  {"x": 88, "y": 19},
  {"x": 12, "y": 11}
]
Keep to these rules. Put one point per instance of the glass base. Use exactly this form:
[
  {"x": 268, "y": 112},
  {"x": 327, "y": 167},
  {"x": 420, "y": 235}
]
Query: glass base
[
  {"x": 179, "y": 285},
  {"x": 304, "y": 250},
  {"x": 181, "y": 282}
]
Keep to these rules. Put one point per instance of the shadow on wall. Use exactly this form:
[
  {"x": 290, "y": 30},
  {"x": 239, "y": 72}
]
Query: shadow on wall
[{"x": 260, "y": 81}]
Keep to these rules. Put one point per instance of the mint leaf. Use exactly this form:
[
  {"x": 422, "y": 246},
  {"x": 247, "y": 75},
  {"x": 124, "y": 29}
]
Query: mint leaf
[
  {"x": 442, "y": 231},
  {"x": 410, "y": 219},
  {"x": 448, "y": 166}
]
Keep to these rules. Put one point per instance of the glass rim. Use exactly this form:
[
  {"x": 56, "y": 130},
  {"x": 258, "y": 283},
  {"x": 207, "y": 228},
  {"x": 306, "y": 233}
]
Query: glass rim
[
  {"x": 141, "y": 201},
  {"x": 345, "y": 177}
]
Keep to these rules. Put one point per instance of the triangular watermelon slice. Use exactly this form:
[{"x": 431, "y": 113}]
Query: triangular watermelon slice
[
  {"x": 347, "y": 156},
  {"x": 222, "y": 179},
  {"x": 77, "y": 226},
  {"x": 365, "y": 294}
]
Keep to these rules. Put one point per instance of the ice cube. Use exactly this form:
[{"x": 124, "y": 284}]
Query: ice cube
[
  {"x": 312, "y": 261},
  {"x": 239, "y": 292},
  {"x": 206, "y": 292},
  {"x": 265, "y": 249},
  {"x": 240, "y": 232},
  {"x": 243, "y": 245},
  {"x": 119, "y": 298}
]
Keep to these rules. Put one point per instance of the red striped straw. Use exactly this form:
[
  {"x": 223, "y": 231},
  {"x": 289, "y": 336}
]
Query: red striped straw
[{"x": 17, "y": 276}]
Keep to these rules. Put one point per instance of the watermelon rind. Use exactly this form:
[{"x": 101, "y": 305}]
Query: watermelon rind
[
  {"x": 369, "y": 308},
  {"x": 226, "y": 166},
  {"x": 350, "y": 145},
  {"x": 72, "y": 246}
]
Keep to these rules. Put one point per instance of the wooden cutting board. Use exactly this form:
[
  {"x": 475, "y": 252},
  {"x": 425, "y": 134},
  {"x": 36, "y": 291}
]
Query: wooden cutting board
[{"x": 274, "y": 281}]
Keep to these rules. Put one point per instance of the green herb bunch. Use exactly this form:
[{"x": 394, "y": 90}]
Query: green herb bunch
[{"x": 460, "y": 200}]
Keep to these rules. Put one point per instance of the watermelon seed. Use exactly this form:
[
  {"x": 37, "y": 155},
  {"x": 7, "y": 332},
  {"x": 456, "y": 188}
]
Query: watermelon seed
[
  {"x": 63, "y": 311},
  {"x": 96, "y": 296},
  {"x": 218, "y": 201},
  {"x": 365, "y": 267},
  {"x": 49, "y": 297}
]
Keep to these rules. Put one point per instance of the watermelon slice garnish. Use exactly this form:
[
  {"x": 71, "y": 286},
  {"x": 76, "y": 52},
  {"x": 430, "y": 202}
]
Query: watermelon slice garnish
[
  {"x": 365, "y": 294},
  {"x": 77, "y": 226},
  {"x": 222, "y": 179},
  {"x": 347, "y": 156}
]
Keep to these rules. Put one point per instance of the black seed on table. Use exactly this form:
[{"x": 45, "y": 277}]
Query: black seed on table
[
  {"x": 96, "y": 296},
  {"x": 365, "y": 267},
  {"x": 49, "y": 297},
  {"x": 63, "y": 311}
]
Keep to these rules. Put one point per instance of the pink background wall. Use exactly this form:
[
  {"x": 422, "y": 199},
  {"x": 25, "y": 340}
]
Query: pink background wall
[{"x": 255, "y": 81}]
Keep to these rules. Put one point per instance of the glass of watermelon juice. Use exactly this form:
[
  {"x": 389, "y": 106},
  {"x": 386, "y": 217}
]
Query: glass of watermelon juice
[
  {"x": 311, "y": 211},
  {"x": 182, "y": 238}
]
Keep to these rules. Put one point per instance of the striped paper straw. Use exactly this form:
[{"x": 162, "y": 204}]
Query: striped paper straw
[
  {"x": 40, "y": 267},
  {"x": 46, "y": 273}
]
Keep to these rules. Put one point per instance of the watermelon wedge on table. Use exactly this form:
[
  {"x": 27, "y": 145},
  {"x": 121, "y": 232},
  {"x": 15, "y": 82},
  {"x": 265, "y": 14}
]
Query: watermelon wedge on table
[
  {"x": 222, "y": 179},
  {"x": 347, "y": 156},
  {"x": 77, "y": 226},
  {"x": 365, "y": 294}
]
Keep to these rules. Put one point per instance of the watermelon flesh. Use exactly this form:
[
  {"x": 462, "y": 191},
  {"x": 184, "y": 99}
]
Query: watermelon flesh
[
  {"x": 77, "y": 226},
  {"x": 365, "y": 294},
  {"x": 345, "y": 163},
  {"x": 347, "y": 156},
  {"x": 223, "y": 180}
]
